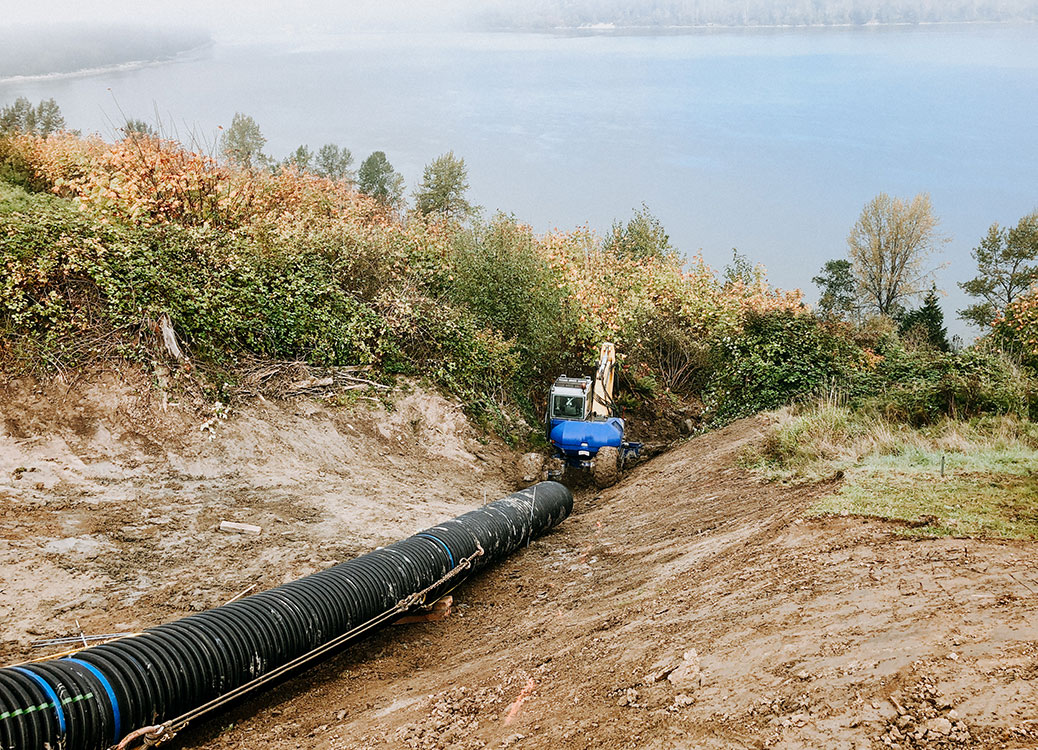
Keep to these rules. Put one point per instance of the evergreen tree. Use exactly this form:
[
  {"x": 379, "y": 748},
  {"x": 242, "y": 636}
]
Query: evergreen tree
[
  {"x": 927, "y": 323},
  {"x": 377, "y": 178}
]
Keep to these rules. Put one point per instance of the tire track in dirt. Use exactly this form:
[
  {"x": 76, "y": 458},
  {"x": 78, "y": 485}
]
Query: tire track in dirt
[
  {"x": 788, "y": 633},
  {"x": 689, "y": 606}
]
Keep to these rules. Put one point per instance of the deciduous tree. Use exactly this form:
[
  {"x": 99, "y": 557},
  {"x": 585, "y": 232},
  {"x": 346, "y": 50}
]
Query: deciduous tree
[
  {"x": 378, "y": 179},
  {"x": 243, "y": 143},
  {"x": 443, "y": 187},
  {"x": 890, "y": 246},
  {"x": 334, "y": 163},
  {"x": 643, "y": 236},
  {"x": 740, "y": 271},
  {"x": 302, "y": 159},
  {"x": 836, "y": 282},
  {"x": 1006, "y": 268},
  {"x": 135, "y": 128}
]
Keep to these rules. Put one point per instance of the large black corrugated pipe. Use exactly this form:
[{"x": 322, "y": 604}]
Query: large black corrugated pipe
[{"x": 91, "y": 700}]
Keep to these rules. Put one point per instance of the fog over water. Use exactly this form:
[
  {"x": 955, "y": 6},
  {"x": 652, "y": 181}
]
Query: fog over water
[{"x": 769, "y": 141}]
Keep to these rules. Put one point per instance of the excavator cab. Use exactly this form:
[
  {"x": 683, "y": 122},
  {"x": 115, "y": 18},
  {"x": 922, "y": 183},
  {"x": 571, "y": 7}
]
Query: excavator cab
[{"x": 570, "y": 398}]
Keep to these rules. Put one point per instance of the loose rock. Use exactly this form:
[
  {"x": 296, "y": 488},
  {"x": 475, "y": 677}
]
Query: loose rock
[{"x": 688, "y": 673}]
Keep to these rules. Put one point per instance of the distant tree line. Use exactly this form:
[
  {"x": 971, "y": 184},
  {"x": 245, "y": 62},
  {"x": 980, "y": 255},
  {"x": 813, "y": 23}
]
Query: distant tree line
[
  {"x": 68, "y": 48},
  {"x": 541, "y": 14},
  {"x": 22, "y": 117},
  {"x": 888, "y": 267},
  {"x": 441, "y": 192}
]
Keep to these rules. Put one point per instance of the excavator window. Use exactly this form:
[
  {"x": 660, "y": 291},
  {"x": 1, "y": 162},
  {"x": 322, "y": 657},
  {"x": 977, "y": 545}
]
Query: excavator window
[{"x": 569, "y": 406}]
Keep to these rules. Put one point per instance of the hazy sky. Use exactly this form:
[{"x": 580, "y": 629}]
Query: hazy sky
[
  {"x": 271, "y": 16},
  {"x": 230, "y": 16}
]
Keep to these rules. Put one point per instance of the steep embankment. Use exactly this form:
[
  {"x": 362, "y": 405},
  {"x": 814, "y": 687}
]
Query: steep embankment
[
  {"x": 109, "y": 506},
  {"x": 689, "y": 606}
]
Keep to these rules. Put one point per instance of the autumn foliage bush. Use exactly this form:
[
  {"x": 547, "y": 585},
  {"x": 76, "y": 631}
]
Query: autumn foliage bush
[
  {"x": 288, "y": 265},
  {"x": 1017, "y": 326}
]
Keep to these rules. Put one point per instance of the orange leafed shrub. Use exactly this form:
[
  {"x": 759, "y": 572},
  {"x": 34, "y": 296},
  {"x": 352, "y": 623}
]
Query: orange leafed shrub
[
  {"x": 1019, "y": 323},
  {"x": 155, "y": 180},
  {"x": 614, "y": 294}
]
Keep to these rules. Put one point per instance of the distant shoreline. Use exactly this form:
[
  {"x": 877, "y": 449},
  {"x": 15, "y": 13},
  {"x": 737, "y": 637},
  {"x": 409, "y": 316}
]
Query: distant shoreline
[
  {"x": 126, "y": 65},
  {"x": 586, "y": 29},
  {"x": 620, "y": 28}
]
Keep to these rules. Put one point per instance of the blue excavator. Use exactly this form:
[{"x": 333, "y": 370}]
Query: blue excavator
[{"x": 584, "y": 426}]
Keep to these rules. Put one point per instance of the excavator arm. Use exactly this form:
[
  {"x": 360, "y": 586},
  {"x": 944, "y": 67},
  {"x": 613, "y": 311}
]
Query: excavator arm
[{"x": 605, "y": 376}]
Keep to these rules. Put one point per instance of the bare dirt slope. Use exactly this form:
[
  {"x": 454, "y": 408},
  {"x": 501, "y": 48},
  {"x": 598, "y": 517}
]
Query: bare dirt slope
[
  {"x": 110, "y": 506},
  {"x": 691, "y": 606}
]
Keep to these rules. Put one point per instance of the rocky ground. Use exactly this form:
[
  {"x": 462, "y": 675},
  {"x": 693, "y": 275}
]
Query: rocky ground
[{"x": 690, "y": 606}]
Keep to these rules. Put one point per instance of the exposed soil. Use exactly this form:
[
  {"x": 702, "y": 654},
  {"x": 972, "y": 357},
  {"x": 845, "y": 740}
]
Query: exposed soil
[
  {"x": 689, "y": 606},
  {"x": 110, "y": 506}
]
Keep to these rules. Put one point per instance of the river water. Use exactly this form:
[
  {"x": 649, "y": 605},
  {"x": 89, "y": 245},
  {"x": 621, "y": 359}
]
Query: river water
[{"x": 769, "y": 141}]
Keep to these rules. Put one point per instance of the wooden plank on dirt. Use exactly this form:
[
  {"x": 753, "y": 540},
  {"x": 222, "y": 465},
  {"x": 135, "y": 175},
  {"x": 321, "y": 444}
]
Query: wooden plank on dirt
[
  {"x": 440, "y": 610},
  {"x": 232, "y": 527}
]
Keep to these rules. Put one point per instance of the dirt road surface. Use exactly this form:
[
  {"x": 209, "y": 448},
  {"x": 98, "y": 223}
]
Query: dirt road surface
[{"x": 690, "y": 606}]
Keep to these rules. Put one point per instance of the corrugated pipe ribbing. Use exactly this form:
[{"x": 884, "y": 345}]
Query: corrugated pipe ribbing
[{"x": 91, "y": 700}]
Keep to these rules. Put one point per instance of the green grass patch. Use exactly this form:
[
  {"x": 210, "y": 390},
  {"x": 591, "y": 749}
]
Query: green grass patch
[
  {"x": 989, "y": 485},
  {"x": 1002, "y": 506}
]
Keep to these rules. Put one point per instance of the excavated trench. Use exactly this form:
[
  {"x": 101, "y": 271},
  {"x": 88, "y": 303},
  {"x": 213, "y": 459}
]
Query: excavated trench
[{"x": 153, "y": 684}]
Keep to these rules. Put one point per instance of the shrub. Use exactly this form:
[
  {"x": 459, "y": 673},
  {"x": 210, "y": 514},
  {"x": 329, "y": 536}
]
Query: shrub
[
  {"x": 920, "y": 387},
  {"x": 498, "y": 273},
  {"x": 225, "y": 292},
  {"x": 777, "y": 357},
  {"x": 447, "y": 344},
  {"x": 1017, "y": 327},
  {"x": 47, "y": 251}
]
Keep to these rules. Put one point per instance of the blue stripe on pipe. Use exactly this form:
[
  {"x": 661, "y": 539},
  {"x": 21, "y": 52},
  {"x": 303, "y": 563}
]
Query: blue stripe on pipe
[
  {"x": 439, "y": 541},
  {"x": 50, "y": 694},
  {"x": 117, "y": 732}
]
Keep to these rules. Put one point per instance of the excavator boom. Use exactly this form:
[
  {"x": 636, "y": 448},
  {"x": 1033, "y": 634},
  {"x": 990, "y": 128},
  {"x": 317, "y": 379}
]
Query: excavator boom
[{"x": 602, "y": 403}]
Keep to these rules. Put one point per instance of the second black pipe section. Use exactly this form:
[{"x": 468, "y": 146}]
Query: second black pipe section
[{"x": 91, "y": 700}]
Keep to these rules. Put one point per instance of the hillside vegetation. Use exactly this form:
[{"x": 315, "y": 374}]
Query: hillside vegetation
[{"x": 101, "y": 242}]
